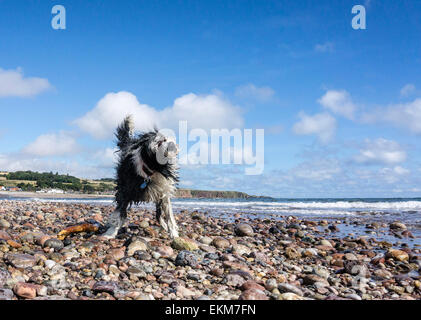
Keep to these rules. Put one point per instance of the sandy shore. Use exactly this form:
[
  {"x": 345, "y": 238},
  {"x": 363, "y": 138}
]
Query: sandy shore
[
  {"x": 24, "y": 194},
  {"x": 243, "y": 258}
]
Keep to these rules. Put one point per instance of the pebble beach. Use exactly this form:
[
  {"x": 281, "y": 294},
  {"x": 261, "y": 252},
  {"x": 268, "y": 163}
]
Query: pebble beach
[{"x": 215, "y": 258}]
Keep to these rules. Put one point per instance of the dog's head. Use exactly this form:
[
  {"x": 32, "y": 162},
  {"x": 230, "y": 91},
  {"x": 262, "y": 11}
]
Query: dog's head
[{"x": 155, "y": 152}]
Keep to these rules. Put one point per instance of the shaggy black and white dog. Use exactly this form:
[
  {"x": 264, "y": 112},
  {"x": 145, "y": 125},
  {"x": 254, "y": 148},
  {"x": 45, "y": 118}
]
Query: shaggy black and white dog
[{"x": 146, "y": 172}]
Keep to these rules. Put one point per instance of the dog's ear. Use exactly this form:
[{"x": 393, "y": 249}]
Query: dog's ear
[{"x": 155, "y": 128}]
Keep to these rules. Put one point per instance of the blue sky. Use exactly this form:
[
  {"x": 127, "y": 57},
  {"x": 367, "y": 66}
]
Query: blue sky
[{"x": 341, "y": 108}]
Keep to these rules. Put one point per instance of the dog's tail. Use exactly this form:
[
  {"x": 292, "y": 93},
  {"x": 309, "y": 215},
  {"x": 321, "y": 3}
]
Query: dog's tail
[{"x": 124, "y": 132}]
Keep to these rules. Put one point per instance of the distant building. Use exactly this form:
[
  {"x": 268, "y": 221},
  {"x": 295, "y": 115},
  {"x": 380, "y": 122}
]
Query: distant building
[
  {"x": 13, "y": 189},
  {"x": 55, "y": 191}
]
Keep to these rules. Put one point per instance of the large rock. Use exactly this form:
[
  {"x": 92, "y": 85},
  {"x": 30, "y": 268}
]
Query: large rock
[
  {"x": 253, "y": 294},
  {"x": 233, "y": 280},
  {"x": 105, "y": 286},
  {"x": 221, "y": 243},
  {"x": 6, "y": 294},
  {"x": 397, "y": 226},
  {"x": 243, "y": 229},
  {"x": 19, "y": 260},
  {"x": 184, "y": 244},
  {"x": 292, "y": 253},
  {"x": 135, "y": 245},
  {"x": 4, "y": 235},
  {"x": 4, "y": 223},
  {"x": 397, "y": 255},
  {"x": 25, "y": 290},
  {"x": 186, "y": 258},
  {"x": 56, "y": 244}
]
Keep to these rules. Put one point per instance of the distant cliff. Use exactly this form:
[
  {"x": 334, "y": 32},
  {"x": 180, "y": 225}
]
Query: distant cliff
[{"x": 187, "y": 193}]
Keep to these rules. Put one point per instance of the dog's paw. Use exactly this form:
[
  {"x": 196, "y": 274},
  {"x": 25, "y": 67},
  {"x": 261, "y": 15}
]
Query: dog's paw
[{"x": 111, "y": 233}]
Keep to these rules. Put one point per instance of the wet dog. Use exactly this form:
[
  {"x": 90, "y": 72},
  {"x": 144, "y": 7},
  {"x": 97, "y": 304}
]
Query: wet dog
[{"x": 147, "y": 171}]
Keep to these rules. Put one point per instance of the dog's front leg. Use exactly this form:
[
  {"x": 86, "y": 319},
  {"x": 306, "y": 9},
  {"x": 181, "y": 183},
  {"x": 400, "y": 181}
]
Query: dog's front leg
[
  {"x": 159, "y": 215},
  {"x": 169, "y": 217},
  {"x": 115, "y": 222}
]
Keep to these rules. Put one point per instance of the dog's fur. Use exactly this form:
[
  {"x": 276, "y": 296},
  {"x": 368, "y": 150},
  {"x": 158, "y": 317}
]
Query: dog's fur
[{"x": 143, "y": 177}]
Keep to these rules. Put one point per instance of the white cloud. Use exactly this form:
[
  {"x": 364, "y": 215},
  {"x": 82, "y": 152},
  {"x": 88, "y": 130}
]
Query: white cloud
[
  {"x": 324, "y": 47},
  {"x": 200, "y": 111},
  {"x": 52, "y": 144},
  {"x": 248, "y": 91},
  {"x": 407, "y": 90},
  {"x": 339, "y": 102},
  {"x": 107, "y": 158},
  {"x": 401, "y": 171},
  {"x": 324, "y": 169},
  {"x": 393, "y": 175},
  {"x": 14, "y": 84},
  {"x": 381, "y": 151},
  {"x": 406, "y": 115},
  {"x": 322, "y": 124}
]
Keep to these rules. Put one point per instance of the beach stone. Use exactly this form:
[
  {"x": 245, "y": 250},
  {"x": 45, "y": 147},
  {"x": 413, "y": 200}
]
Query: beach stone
[
  {"x": 354, "y": 267},
  {"x": 240, "y": 249},
  {"x": 144, "y": 224},
  {"x": 142, "y": 255},
  {"x": 217, "y": 272},
  {"x": 397, "y": 225},
  {"x": 383, "y": 273},
  {"x": 116, "y": 253},
  {"x": 286, "y": 287},
  {"x": 311, "y": 279},
  {"x": 136, "y": 245},
  {"x": 6, "y": 294},
  {"x": 397, "y": 255},
  {"x": 21, "y": 260},
  {"x": 350, "y": 256},
  {"x": 136, "y": 272},
  {"x": 105, "y": 286},
  {"x": 4, "y": 235},
  {"x": 243, "y": 229},
  {"x": 186, "y": 258},
  {"x": 253, "y": 294},
  {"x": 271, "y": 284},
  {"x": 56, "y": 244},
  {"x": 259, "y": 256},
  {"x": 221, "y": 243},
  {"x": 25, "y": 290},
  {"x": 184, "y": 292},
  {"x": 49, "y": 264},
  {"x": 4, "y": 223},
  {"x": 184, "y": 244},
  {"x": 165, "y": 251},
  {"x": 14, "y": 244},
  {"x": 4, "y": 276},
  {"x": 309, "y": 252},
  {"x": 206, "y": 240},
  {"x": 250, "y": 284},
  {"x": 321, "y": 272},
  {"x": 233, "y": 280},
  {"x": 290, "y": 296},
  {"x": 326, "y": 243},
  {"x": 292, "y": 253}
]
